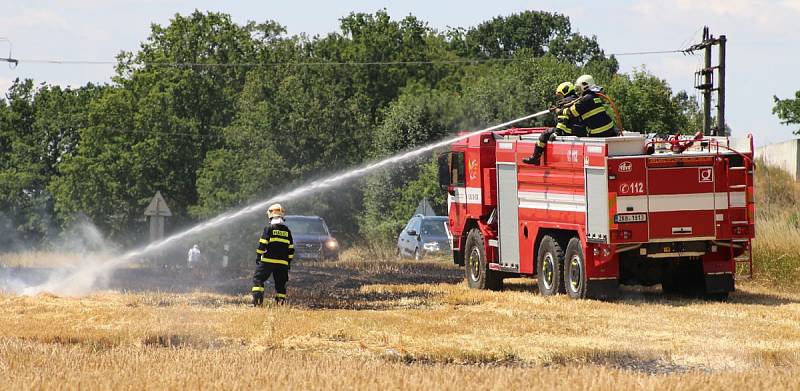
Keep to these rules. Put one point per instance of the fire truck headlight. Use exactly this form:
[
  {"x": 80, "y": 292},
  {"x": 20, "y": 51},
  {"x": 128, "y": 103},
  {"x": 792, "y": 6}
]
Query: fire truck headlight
[
  {"x": 606, "y": 252},
  {"x": 431, "y": 246},
  {"x": 596, "y": 251}
]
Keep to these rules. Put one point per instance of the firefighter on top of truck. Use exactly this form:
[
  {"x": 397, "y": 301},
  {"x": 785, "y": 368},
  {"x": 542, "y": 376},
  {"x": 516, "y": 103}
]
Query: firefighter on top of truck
[
  {"x": 273, "y": 256},
  {"x": 565, "y": 92},
  {"x": 588, "y": 110}
]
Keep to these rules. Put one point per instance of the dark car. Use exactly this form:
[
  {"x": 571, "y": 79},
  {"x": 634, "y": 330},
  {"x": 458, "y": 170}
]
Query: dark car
[
  {"x": 312, "y": 238},
  {"x": 424, "y": 235}
]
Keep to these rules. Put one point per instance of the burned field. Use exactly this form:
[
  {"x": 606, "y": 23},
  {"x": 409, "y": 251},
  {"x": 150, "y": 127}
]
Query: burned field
[{"x": 389, "y": 324}]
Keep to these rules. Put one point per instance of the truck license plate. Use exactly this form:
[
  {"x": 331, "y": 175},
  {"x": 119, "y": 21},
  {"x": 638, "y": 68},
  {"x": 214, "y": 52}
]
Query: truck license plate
[{"x": 630, "y": 218}]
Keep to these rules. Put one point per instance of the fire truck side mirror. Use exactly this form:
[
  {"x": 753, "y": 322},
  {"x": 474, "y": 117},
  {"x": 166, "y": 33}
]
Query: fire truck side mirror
[{"x": 444, "y": 171}]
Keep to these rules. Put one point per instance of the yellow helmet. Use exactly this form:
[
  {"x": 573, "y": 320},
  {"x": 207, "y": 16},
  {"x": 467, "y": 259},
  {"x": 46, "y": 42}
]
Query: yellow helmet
[
  {"x": 275, "y": 210},
  {"x": 565, "y": 89}
]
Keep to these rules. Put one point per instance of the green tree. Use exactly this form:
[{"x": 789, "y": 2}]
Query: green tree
[
  {"x": 152, "y": 131},
  {"x": 384, "y": 46},
  {"x": 308, "y": 120},
  {"x": 537, "y": 32},
  {"x": 646, "y": 104},
  {"x": 39, "y": 126},
  {"x": 499, "y": 93},
  {"x": 788, "y": 110},
  {"x": 418, "y": 117}
]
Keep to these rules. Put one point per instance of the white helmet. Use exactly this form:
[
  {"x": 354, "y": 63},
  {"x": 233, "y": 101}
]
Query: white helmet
[
  {"x": 584, "y": 83},
  {"x": 275, "y": 210}
]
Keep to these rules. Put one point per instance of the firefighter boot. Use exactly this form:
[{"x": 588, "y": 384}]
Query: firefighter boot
[
  {"x": 280, "y": 299},
  {"x": 258, "y": 299},
  {"x": 536, "y": 158}
]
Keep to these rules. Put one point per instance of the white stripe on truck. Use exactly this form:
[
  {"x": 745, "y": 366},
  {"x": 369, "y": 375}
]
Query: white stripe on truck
[
  {"x": 468, "y": 195},
  {"x": 676, "y": 202},
  {"x": 631, "y": 204},
  {"x": 552, "y": 201}
]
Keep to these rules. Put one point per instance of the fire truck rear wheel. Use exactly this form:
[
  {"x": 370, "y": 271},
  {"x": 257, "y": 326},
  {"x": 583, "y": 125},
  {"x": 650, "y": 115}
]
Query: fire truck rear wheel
[
  {"x": 575, "y": 270},
  {"x": 476, "y": 266},
  {"x": 549, "y": 263}
]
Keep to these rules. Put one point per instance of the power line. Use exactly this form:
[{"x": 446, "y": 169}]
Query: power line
[
  {"x": 646, "y": 53},
  {"x": 316, "y": 63},
  {"x": 11, "y": 61},
  {"x": 111, "y": 131},
  {"x": 68, "y": 62},
  {"x": 266, "y": 64}
]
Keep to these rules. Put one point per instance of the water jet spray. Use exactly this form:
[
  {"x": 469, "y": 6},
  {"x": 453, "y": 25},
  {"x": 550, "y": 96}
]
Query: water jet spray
[{"x": 63, "y": 284}]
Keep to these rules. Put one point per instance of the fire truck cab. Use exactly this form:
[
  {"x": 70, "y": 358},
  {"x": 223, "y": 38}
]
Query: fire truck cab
[{"x": 599, "y": 212}]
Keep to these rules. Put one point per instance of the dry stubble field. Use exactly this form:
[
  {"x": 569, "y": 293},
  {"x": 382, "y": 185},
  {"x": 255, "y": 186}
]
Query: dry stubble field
[{"x": 392, "y": 325}]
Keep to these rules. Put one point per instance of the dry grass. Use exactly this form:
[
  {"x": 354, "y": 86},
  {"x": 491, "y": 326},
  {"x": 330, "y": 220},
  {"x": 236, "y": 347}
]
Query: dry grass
[
  {"x": 776, "y": 249},
  {"x": 423, "y": 336}
]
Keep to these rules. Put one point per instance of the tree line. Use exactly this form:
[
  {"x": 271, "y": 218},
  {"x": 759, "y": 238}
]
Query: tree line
[{"x": 216, "y": 115}]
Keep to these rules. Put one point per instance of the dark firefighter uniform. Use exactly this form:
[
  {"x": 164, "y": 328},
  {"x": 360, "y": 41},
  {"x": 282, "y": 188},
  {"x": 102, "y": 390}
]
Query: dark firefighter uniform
[
  {"x": 590, "y": 110},
  {"x": 274, "y": 257},
  {"x": 566, "y": 126},
  {"x": 583, "y": 116}
]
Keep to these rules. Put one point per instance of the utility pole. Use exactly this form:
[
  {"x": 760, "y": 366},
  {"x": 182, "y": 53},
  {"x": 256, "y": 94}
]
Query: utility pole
[
  {"x": 721, "y": 87},
  {"x": 12, "y": 62},
  {"x": 704, "y": 81}
]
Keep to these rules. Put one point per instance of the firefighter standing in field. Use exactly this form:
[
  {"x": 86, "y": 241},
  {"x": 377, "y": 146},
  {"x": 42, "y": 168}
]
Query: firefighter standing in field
[
  {"x": 588, "y": 110},
  {"x": 274, "y": 256},
  {"x": 565, "y": 92}
]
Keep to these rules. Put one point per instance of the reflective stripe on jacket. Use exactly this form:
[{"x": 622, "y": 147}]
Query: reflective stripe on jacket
[
  {"x": 590, "y": 110},
  {"x": 276, "y": 245}
]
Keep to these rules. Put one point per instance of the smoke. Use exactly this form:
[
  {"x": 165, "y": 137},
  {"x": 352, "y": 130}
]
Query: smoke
[
  {"x": 75, "y": 267},
  {"x": 95, "y": 267}
]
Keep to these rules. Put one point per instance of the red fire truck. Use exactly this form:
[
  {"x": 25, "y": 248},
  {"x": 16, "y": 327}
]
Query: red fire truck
[{"x": 600, "y": 212}]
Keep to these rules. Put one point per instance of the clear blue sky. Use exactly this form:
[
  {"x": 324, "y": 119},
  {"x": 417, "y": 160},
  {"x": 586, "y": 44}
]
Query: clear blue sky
[{"x": 763, "y": 38}]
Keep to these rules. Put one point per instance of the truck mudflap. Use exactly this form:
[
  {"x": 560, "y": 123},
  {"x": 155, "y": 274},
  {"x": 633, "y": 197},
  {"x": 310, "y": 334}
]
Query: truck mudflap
[
  {"x": 718, "y": 269},
  {"x": 602, "y": 271},
  {"x": 603, "y": 288},
  {"x": 719, "y": 282}
]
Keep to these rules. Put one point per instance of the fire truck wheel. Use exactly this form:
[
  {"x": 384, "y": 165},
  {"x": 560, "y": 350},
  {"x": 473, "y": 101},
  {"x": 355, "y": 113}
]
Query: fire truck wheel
[
  {"x": 476, "y": 266},
  {"x": 549, "y": 263},
  {"x": 575, "y": 270}
]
